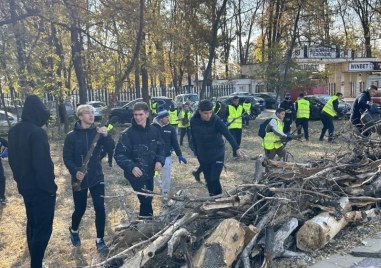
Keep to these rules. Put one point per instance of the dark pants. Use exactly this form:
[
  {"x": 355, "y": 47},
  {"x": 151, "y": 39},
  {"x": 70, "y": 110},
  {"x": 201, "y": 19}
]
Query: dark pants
[
  {"x": 327, "y": 121},
  {"x": 109, "y": 153},
  {"x": 139, "y": 185},
  {"x": 287, "y": 125},
  {"x": 304, "y": 123},
  {"x": 80, "y": 202},
  {"x": 212, "y": 172},
  {"x": 237, "y": 134},
  {"x": 40, "y": 213},
  {"x": 281, "y": 152},
  {"x": 2, "y": 181},
  {"x": 245, "y": 121},
  {"x": 183, "y": 131}
]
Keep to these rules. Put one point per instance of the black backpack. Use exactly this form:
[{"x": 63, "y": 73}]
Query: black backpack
[{"x": 262, "y": 128}]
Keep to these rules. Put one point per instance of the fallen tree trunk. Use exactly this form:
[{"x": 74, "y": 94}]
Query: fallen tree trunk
[{"x": 222, "y": 247}]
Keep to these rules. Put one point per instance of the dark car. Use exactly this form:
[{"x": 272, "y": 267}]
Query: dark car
[
  {"x": 124, "y": 114},
  {"x": 261, "y": 101},
  {"x": 317, "y": 103},
  {"x": 227, "y": 100},
  {"x": 270, "y": 99}
]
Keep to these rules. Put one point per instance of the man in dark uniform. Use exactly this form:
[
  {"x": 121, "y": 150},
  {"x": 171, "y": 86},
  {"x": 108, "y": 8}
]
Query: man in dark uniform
[
  {"x": 33, "y": 170},
  {"x": 361, "y": 104},
  {"x": 290, "y": 112}
]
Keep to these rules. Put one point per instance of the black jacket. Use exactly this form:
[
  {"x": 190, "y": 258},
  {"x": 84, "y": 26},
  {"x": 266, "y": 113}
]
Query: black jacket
[
  {"x": 206, "y": 138},
  {"x": 288, "y": 105},
  {"x": 139, "y": 147},
  {"x": 77, "y": 143},
  {"x": 359, "y": 106},
  {"x": 169, "y": 137},
  {"x": 29, "y": 151}
]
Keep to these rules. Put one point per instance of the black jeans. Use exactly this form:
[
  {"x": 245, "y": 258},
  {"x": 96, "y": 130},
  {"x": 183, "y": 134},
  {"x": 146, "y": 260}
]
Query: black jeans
[
  {"x": 287, "y": 125},
  {"x": 139, "y": 184},
  {"x": 327, "y": 121},
  {"x": 237, "y": 134},
  {"x": 304, "y": 123},
  {"x": 183, "y": 131},
  {"x": 80, "y": 202},
  {"x": 212, "y": 172},
  {"x": 2, "y": 181},
  {"x": 40, "y": 213}
]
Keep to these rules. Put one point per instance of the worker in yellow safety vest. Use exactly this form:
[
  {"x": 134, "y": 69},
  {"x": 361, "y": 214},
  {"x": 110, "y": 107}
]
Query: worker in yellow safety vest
[
  {"x": 274, "y": 133},
  {"x": 302, "y": 107},
  {"x": 174, "y": 117},
  {"x": 235, "y": 112},
  {"x": 247, "y": 108},
  {"x": 330, "y": 110},
  {"x": 184, "y": 123},
  {"x": 152, "y": 106}
]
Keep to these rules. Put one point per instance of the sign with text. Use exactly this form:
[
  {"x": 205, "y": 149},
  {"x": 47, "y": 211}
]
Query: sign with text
[
  {"x": 361, "y": 66},
  {"x": 321, "y": 52}
]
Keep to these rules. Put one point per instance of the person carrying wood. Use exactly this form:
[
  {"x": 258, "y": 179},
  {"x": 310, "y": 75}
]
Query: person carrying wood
[
  {"x": 302, "y": 107},
  {"x": 206, "y": 142},
  {"x": 140, "y": 152},
  {"x": 330, "y": 110},
  {"x": 76, "y": 145},
  {"x": 272, "y": 143}
]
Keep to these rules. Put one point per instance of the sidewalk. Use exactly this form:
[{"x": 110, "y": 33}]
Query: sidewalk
[{"x": 371, "y": 245}]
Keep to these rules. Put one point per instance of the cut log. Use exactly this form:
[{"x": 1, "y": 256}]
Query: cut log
[
  {"x": 318, "y": 231},
  {"x": 228, "y": 202},
  {"x": 176, "y": 237},
  {"x": 222, "y": 247}
]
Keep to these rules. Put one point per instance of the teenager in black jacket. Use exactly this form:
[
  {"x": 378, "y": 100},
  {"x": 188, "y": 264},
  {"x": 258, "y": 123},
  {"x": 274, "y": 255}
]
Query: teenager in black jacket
[
  {"x": 169, "y": 137},
  {"x": 77, "y": 143},
  {"x": 139, "y": 152},
  {"x": 33, "y": 170},
  {"x": 207, "y": 143}
]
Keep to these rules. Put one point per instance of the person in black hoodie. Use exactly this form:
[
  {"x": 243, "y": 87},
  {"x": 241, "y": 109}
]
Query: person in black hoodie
[
  {"x": 139, "y": 152},
  {"x": 288, "y": 106},
  {"x": 77, "y": 143},
  {"x": 207, "y": 143},
  {"x": 169, "y": 136},
  {"x": 361, "y": 104},
  {"x": 33, "y": 169}
]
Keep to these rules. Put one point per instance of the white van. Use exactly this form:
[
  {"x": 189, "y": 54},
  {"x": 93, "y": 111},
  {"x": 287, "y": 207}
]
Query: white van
[{"x": 192, "y": 98}]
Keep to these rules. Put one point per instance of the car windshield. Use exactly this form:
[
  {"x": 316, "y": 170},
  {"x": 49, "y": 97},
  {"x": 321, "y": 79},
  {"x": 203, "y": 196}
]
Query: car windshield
[
  {"x": 98, "y": 104},
  {"x": 192, "y": 98}
]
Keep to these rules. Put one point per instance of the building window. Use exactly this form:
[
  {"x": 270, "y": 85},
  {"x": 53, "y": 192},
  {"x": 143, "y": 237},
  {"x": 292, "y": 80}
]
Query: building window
[
  {"x": 332, "y": 88},
  {"x": 361, "y": 85},
  {"x": 259, "y": 88},
  {"x": 353, "y": 90}
]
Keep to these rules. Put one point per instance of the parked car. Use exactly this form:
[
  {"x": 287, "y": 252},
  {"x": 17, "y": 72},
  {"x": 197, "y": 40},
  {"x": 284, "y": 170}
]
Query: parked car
[
  {"x": 70, "y": 111},
  {"x": 227, "y": 100},
  {"x": 261, "y": 101},
  {"x": 99, "y": 106},
  {"x": 124, "y": 114},
  {"x": 270, "y": 99},
  {"x": 4, "y": 127},
  {"x": 192, "y": 98},
  {"x": 317, "y": 103}
]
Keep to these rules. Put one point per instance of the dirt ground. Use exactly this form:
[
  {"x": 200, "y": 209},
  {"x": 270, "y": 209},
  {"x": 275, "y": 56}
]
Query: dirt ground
[{"x": 60, "y": 252}]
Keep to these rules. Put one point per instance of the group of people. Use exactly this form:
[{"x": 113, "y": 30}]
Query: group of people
[{"x": 143, "y": 149}]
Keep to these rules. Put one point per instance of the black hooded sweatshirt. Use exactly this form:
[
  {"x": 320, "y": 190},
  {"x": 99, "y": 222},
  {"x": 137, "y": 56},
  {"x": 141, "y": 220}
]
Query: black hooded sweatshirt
[
  {"x": 77, "y": 143},
  {"x": 29, "y": 151},
  {"x": 207, "y": 141}
]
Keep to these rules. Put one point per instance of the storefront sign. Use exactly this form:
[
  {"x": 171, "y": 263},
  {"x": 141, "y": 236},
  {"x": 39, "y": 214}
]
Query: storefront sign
[
  {"x": 322, "y": 52},
  {"x": 360, "y": 66}
]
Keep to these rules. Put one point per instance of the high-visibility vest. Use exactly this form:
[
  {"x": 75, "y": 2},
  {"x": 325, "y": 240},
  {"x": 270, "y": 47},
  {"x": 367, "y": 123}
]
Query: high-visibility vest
[
  {"x": 247, "y": 107},
  {"x": 185, "y": 123},
  {"x": 173, "y": 117},
  {"x": 109, "y": 127},
  {"x": 272, "y": 141},
  {"x": 234, "y": 113},
  {"x": 303, "y": 109},
  {"x": 153, "y": 107},
  {"x": 328, "y": 107}
]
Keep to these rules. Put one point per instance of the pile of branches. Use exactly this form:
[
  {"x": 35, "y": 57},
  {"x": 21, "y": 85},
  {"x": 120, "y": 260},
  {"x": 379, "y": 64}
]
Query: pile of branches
[{"x": 278, "y": 218}]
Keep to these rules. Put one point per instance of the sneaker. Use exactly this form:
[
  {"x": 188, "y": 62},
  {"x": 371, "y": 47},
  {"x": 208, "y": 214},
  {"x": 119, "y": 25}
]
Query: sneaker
[
  {"x": 101, "y": 246},
  {"x": 196, "y": 175},
  {"x": 74, "y": 237},
  {"x": 3, "y": 201}
]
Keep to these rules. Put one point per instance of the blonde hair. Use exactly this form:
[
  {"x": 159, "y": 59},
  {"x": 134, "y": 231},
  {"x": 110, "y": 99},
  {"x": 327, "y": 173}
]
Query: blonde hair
[{"x": 84, "y": 108}]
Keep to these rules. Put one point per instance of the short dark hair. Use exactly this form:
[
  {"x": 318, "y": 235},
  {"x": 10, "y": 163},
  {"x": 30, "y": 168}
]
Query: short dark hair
[
  {"x": 141, "y": 106},
  {"x": 339, "y": 94},
  {"x": 279, "y": 110},
  {"x": 205, "y": 105},
  {"x": 235, "y": 97},
  {"x": 301, "y": 95},
  {"x": 373, "y": 87}
]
